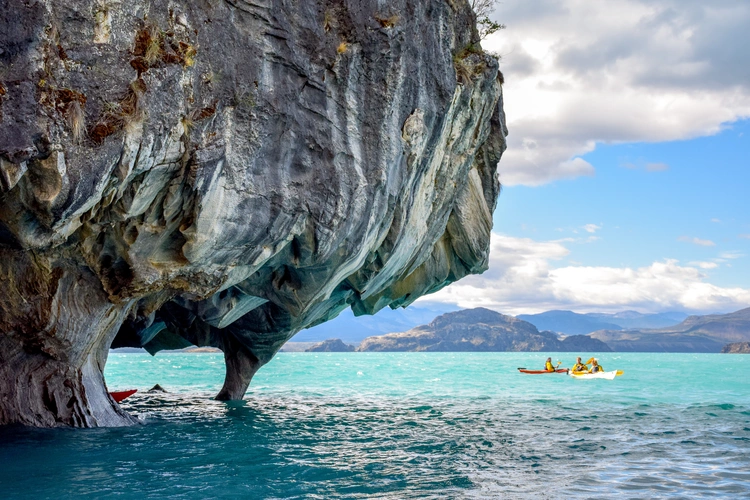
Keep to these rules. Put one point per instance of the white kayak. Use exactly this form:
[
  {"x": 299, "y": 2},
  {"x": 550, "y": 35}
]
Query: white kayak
[{"x": 606, "y": 375}]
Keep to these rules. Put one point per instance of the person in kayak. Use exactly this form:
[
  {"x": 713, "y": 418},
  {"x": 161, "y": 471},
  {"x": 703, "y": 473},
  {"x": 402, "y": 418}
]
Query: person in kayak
[
  {"x": 548, "y": 366},
  {"x": 596, "y": 367},
  {"x": 579, "y": 366}
]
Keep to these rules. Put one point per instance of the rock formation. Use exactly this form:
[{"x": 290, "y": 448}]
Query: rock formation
[
  {"x": 226, "y": 173},
  {"x": 331, "y": 345},
  {"x": 480, "y": 329},
  {"x": 736, "y": 348}
]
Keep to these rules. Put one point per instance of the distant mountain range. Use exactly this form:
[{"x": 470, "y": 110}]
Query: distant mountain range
[
  {"x": 353, "y": 329},
  {"x": 708, "y": 333},
  {"x": 479, "y": 330},
  {"x": 570, "y": 323},
  {"x": 485, "y": 330},
  {"x": 627, "y": 331}
]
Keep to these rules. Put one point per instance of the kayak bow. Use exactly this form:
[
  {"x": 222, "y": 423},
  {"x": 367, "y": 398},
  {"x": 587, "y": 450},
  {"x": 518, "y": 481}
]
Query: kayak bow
[{"x": 119, "y": 396}]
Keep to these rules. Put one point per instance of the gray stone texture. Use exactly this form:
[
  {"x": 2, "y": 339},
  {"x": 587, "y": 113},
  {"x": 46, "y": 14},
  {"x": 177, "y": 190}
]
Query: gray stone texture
[{"x": 226, "y": 173}]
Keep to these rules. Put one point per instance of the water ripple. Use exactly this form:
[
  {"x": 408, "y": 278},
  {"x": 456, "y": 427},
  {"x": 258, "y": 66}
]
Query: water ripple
[
  {"x": 308, "y": 447},
  {"x": 372, "y": 426}
]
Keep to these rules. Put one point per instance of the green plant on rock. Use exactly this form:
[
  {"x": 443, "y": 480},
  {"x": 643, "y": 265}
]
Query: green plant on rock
[
  {"x": 153, "y": 46},
  {"x": 485, "y": 25},
  {"x": 472, "y": 48}
]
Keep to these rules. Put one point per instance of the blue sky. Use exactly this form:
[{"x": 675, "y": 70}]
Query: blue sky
[
  {"x": 628, "y": 162},
  {"x": 649, "y": 201}
]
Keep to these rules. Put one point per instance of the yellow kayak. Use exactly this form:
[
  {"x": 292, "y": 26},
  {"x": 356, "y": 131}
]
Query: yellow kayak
[{"x": 605, "y": 375}]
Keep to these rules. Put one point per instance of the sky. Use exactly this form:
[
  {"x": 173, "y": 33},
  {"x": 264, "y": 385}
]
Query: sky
[{"x": 625, "y": 182}]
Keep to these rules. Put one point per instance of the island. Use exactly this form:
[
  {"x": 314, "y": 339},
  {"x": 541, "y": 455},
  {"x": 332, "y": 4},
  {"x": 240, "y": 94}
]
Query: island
[{"x": 331, "y": 345}]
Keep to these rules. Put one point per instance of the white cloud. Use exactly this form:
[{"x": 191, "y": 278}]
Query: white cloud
[
  {"x": 704, "y": 264},
  {"x": 733, "y": 254},
  {"x": 744, "y": 236},
  {"x": 656, "y": 167},
  {"x": 580, "y": 72},
  {"x": 716, "y": 221},
  {"x": 591, "y": 228},
  {"x": 697, "y": 241},
  {"x": 522, "y": 278}
]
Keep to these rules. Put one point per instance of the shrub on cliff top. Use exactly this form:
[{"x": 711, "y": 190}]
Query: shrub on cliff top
[{"x": 485, "y": 25}]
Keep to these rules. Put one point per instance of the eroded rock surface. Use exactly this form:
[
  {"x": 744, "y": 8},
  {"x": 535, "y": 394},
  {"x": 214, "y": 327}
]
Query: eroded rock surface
[{"x": 226, "y": 173}]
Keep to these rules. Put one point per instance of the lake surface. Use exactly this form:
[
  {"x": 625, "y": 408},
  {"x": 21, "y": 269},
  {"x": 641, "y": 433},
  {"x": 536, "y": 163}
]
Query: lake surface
[{"x": 404, "y": 425}]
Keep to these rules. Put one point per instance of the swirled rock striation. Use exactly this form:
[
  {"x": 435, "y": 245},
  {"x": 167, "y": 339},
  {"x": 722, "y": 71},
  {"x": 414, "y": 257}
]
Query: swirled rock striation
[{"x": 227, "y": 173}]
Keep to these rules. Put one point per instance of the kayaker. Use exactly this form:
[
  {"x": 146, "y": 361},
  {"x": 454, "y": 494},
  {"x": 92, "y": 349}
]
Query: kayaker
[
  {"x": 579, "y": 366},
  {"x": 548, "y": 366},
  {"x": 596, "y": 367}
]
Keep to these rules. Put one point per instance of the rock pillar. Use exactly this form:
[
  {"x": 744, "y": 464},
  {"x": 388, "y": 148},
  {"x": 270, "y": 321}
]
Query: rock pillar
[{"x": 56, "y": 326}]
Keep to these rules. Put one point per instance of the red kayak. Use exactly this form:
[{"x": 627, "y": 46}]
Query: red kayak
[
  {"x": 540, "y": 372},
  {"x": 119, "y": 396}
]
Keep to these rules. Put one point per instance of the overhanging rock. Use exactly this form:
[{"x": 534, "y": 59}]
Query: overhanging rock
[{"x": 226, "y": 174}]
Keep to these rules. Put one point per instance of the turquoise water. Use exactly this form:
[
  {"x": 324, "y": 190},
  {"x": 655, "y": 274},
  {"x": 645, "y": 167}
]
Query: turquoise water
[{"x": 404, "y": 425}]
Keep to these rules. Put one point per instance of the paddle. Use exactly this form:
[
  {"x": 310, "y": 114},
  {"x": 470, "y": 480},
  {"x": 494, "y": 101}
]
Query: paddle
[
  {"x": 558, "y": 367},
  {"x": 619, "y": 372}
]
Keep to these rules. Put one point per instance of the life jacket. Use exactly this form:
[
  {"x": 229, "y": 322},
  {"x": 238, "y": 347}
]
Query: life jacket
[
  {"x": 580, "y": 367},
  {"x": 549, "y": 366},
  {"x": 597, "y": 368}
]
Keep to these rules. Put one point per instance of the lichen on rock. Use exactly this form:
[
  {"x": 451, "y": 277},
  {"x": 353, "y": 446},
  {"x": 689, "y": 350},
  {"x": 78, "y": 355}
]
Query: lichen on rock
[{"x": 226, "y": 174}]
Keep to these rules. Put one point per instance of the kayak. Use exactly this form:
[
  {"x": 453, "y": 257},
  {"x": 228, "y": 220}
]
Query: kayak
[
  {"x": 605, "y": 375},
  {"x": 119, "y": 396},
  {"x": 540, "y": 372}
]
